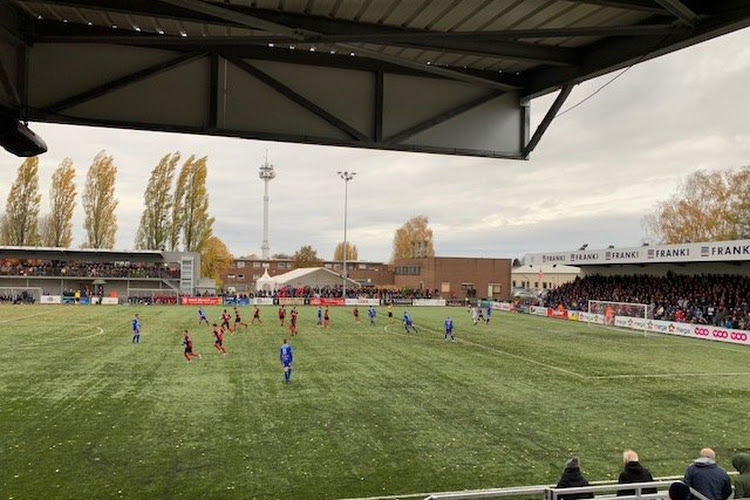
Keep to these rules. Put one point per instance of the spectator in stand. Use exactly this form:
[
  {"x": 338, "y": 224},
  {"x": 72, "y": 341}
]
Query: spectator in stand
[
  {"x": 705, "y": 476},
  {"x": 634, "y": 472},
  {"x": 678, "y": 491},
  {"x": 741, "y": 462},
  {"x": 573, "y": 478}
]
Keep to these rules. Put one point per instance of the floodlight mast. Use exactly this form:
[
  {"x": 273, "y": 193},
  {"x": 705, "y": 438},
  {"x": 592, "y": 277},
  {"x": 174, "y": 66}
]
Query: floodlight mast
[
  {"x": 346, "y": 176},
  {"x": 267, "y": 174}
]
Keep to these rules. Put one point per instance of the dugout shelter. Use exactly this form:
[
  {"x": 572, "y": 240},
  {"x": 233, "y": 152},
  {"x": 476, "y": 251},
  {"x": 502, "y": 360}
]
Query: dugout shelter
[
  {"x": 440, "y": 77},
  {"x": 120, "y": 274},
  {"x": 715, "y": 257}
]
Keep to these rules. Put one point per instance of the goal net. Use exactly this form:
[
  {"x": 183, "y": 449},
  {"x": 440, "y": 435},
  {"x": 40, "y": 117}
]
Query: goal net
[
  {"x": 627, "y": 314},
  {"x": 20, "y": 295}
]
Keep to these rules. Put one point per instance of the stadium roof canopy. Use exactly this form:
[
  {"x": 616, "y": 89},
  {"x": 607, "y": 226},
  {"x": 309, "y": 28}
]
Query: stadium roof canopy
[
  {"x": 442, "y": 76},
  {"x": 735, "y": 251}
]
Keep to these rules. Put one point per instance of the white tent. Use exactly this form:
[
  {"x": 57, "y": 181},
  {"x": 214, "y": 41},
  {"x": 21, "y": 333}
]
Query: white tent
[
  {"x": 266, "y": 283},
  {"x": 313, "y": 277}
]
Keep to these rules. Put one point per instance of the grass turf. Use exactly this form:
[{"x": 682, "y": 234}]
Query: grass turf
[{"x": 371, "y": 411}]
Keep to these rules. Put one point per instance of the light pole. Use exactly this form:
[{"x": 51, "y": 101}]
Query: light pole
[
  {"x": 347, "y": 176},
  {"x": 266, "y": 175}
]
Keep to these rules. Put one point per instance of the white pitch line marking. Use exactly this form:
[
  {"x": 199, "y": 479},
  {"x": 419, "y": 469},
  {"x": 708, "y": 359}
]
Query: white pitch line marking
[
  {"x": 666, "y": 375},
  {"x": 39, "y": 344},
  {"x": 551, "y": 367}
]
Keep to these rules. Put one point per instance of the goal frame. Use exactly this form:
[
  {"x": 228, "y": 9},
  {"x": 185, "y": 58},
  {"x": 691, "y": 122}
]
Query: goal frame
[
  {"x": 37, "y": 292},
  {"x": 645, "y": 316}
]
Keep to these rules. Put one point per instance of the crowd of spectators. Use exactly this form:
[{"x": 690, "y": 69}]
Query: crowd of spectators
[
  {"x": 370, "y": 292},
  {"x": 152, "y": 299},
  {"x": 703, "y": 476},
  {"x": 720, "y": 300},
  {"x": 88, "y": 269}
]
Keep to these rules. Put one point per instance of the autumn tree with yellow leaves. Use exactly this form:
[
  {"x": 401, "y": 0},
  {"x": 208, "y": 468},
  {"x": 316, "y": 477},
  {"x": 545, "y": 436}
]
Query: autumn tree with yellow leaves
[
  {"x": 99, "y": 203},
  {"x": 191, "y": 224},
  {"x": 413, "y": 239},
  {"x": 707, "y": 206},
  {"x": 351, "y": 251},
  {"x": 155, "y": 228},
  {"x": 21, "y": 220},
  {"x": 216, "y": 259},
  {"x": 56, "y": 228}
]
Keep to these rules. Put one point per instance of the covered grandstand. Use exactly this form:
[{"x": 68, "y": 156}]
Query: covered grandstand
[{"x": 54, "y": 275}]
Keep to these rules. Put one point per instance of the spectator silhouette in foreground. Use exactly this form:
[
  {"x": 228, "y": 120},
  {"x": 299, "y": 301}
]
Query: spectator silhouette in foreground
[
  {"x": 573, "y": 478},
  {"x": 678, "y": 491},
  {"x": 705, "y": 476},
  {"x": 634, "y": 472},
  {"x": 741, "y": 462}
]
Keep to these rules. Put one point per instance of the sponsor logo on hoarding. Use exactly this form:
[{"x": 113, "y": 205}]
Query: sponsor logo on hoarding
[
  {"x": 742, "y": 336},
  {"x": 702, "y": 332},
  {"x": 731, "y": 250},
  {"x": 720, "y": 334},
  {"x": 672, "y": 252},
  {"x": 650, "y": 253},
  {"x": 553, "y": 258},
  {"x": 705, "y": 251}
]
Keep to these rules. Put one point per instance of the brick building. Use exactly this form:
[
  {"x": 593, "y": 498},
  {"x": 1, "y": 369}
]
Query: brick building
[
  {"x": 458, "y": 277},
  {"x": 245, "y": 271}
]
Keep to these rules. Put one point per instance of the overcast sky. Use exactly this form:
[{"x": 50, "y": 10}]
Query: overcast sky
[{"x": 598, "y": 170}]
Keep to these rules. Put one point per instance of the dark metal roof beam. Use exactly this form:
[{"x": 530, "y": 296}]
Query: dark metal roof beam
[
  {"x": 525, "y": 52},
  {"x": 617, "y": 53},
  {"x": 45, "y": 33},
  {"x": 234, "y": 16},
  {"x": 637, "y": 5},
  {"x": 426, "y": 68},
  {"x": 138, "y": 7},
  {"x": 679, "y": 10},
  {"x": 547, "y": 120},
  {"x": 297, "y": 98},
  {"x": 119, "y": 83}
]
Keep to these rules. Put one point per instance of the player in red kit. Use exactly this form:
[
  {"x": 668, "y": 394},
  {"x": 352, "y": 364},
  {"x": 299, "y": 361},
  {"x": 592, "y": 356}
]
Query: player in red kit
[
  {"x": 355, "y": 311},
  {"x": 282, "y": 315},
  {"x": 256, "y": 316},
  {"x": 225, "y": 321},
  {"x": 219, "y": 336},
  {"x": 238, "y": 320},
  {"x": 187, "y": 341},
  {"x": 293, "y": 321}
]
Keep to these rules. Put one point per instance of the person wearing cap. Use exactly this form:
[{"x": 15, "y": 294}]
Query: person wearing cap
[
  {"x": 678, "y": 491},
  {"x": 573, "y": 478},
  {"x": 705, "y": 476},
  {"x": 634, "y": 472},
  {"x": 741, "y": 462}
]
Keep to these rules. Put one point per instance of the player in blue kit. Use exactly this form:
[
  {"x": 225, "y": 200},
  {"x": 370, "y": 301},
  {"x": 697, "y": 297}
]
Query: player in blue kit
[
  {"x": 320, "y": 317},
  {"x": 371, "y": 313},
  {"x": 409, "y": 323},
  {"x": 489, "y": 314},
  {"x": 202, "y": 316},
  {"x": 449, "y": 329},
  {"x": 136, "y": 330},
  {"x": 286, "y": 357}
]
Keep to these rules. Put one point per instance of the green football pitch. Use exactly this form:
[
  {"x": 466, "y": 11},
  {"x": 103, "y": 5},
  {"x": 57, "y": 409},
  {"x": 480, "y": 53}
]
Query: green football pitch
[{"x": 370, "y": 411}]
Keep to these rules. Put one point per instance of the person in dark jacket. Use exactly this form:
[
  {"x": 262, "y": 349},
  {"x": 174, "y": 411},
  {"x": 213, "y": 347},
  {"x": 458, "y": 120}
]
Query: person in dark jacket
[
  {"x": 634, "y": 472},
  {"x": 741, "y": 462},
  {"x": 573, "y": 478},
  {"x": 706, "y": 477}
]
